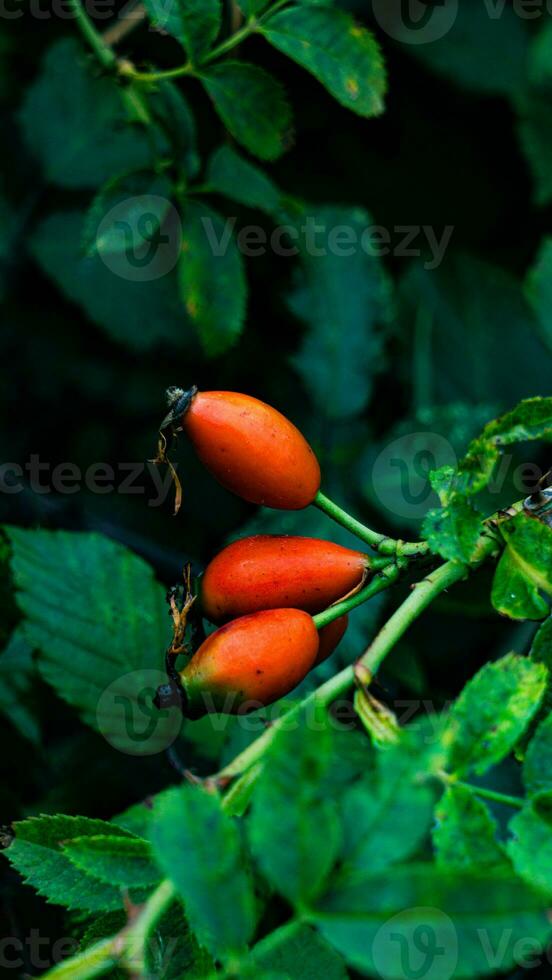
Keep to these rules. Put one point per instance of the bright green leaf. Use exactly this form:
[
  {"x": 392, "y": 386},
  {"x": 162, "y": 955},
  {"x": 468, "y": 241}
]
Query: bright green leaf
[
  {"x": 387, "y": 815},
  {"x": 465, "y": 833},
  {"x": 230, "y": 174},
  {"x": 531, "y": 845},
  {"x": 537, "y": 764},
  {"x": 524, "y": 569},
  {"x": 493, "y": 711},
  {"x": 37, "y": 853},
  {"x": 252, "y": 105},
  {"x": 77, "y": 124},
  {"x": 198, "y": 847},
  {"x": 293, "y": 812},
  {"x": 382, "y": 922},
  {"x": 340, "y": 53},
  {"x": 299, "y": 953},
  {"x": 195, "y": 23},
  {"x": 98, "y": 618},
  {"x": 212, "y": 278},
  {"x": 125, "y": 862}
]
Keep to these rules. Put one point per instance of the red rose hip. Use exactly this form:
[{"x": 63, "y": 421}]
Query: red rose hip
[
  {"x": 249, "y": 447},
  {"x": 271, "y": 571}
]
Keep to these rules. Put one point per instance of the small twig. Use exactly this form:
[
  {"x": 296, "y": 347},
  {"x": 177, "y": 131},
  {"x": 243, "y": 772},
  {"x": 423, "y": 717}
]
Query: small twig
[{"x": 132, "y": 14}]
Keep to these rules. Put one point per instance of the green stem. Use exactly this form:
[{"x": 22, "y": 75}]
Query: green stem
[
  {"x": 128, "y": 948},
  {"x": 103, "y": 52},
  {"x": 223, "y": 48},
  {"x": 417, "y": 601},
  {"x": 380, "y": 542},
  {"x": 95, "y": 961},
  {"x": 383, "y": 580},
  {"x": 423, "y": 593},
  {"x": 483, "y": 792},
  {"x": 136, "y": 937}
]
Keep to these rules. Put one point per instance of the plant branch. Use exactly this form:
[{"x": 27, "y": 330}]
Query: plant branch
[
  {"x": 100, "y": 47},
  {"x": 486, "y": 794},
  {"x": 132, "y": 14},
  {"x": 249, "y": 28},
  {"x": 384, "y": 578},
  {"x": 380, "y": 542}
]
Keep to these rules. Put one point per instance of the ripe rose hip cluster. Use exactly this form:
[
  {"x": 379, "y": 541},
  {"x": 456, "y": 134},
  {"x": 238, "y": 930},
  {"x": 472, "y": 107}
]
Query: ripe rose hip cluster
[{"x": 262, "y": 591}]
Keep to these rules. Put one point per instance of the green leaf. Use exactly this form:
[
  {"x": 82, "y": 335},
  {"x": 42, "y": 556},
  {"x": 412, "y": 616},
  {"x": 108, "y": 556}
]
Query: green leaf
[
  {"x": 138, "y": 313},
  {"x": 377, "y": 922},
  {"x": 524, "y": 569},
  {"x": 340, "y": 53},
  {"x": 536, "y": 142},
  {"x": 293, "y": 812},
  {"x": 465, "y": 833},
  {"x": 541, "y": 653},
  {"x": 127, "y": 212},
  {"x": 77, "y": 124},
  {"x": 340, "y": 292},
  {"x": 479, "y": 324},
  {"x": 230, "y": 174},
  {"x": 195, "y": 23},
  {"x": 493, "y": 711},
  {"x": 537, "y": 764},
  {"x": 538, "y": 287},
  {"x": 16, "y": 678},
  {"x": 38, "y": 854},
  {"x": 452, "y": 531},
  {"x": 252, "y": 105},
  {"x": 198, "y": 847},
  {"x": 531, "y": 845},
  {"x": 212, "y": 278},
  {"x": 298, "y": 952},
  {"x": 387, "y": 815},
  {"x": 98, "y": 619},
  {"x": 173, "y": 114},
  {"x": 122, "y": 861},
  {"x": 481, "y": 52}
]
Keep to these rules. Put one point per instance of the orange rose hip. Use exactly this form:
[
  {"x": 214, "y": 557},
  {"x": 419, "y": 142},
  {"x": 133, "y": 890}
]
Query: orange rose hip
[
  {"x": 249, "y": 447},
  {"x": 271, "y": 571},
  {"x": 250, "y": 662}
]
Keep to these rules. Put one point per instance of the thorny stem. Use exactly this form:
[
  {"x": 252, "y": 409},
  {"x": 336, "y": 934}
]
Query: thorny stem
[{"x": 380, "y": 542}]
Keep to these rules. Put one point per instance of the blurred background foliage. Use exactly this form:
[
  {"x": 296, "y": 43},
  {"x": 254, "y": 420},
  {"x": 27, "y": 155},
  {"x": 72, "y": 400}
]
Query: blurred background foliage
[{"x": 359, "y": 352}]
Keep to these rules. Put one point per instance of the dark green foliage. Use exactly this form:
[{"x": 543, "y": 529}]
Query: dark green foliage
[{"x": 411, "y": 341}]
